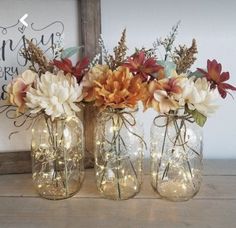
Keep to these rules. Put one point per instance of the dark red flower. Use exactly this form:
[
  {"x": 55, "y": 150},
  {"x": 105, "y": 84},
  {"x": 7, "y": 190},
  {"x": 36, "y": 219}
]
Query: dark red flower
[
  {"x": 78, "y": 70},
  {"x": 141, "y": 66},
  {"x": 217, "y": 78}
]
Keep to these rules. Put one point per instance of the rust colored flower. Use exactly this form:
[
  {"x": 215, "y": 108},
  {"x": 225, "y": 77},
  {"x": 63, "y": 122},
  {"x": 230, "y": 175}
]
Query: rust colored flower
[
  {"x": 217, "y": 78},
  {"x": 118, "y": 89},
  {"x": 78, "y": 70},
  {"x": 143, "y": 67}
]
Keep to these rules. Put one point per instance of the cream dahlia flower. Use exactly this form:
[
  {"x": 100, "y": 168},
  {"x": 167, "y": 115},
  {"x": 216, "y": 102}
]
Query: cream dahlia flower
[
  {"x": 56, "y": 95},
  {"x": 197, "y": 94}
]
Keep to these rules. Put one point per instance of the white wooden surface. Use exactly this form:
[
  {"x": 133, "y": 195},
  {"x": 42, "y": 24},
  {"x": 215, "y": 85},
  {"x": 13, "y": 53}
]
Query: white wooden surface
[{"x": 214, "y": 206}]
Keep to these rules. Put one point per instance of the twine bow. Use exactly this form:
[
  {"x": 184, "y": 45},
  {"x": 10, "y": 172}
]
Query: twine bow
[
  {"x": 121, "y": 118},
  {"x": 171, "y": 118}
]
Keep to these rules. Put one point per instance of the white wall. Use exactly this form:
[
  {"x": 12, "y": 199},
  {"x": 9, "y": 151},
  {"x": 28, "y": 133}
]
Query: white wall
[{"x": 211, "y": 22}]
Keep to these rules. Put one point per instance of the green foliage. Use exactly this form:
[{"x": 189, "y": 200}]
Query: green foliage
[
  {"x": 169, "y": 67},
  {"x": 68, "y": 52},
  {"x": 197, "y": 74},
  {"x": 198, "y": 117}
]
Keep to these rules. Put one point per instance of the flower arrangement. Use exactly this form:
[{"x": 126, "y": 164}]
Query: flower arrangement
[
  {"x": 50, "y": 87},
  {"x": 48, "y": 95},
  {"x": 166, "y": 85},
  {"x": 183, "y": 100},
  {"x": 175, "y": 86},
  {"x": 115, "y": 84}
]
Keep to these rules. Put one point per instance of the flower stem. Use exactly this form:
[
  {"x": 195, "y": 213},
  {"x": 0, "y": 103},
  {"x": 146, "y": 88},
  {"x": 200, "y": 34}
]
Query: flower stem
[
  {"x": 118, "y": 151},
  {"x": 162, "y": 149},
  {"x": 178, "y": 133}
]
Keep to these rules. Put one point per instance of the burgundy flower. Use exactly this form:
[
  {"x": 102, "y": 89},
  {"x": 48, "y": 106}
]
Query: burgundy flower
[
  {"x": 141, "y": 66},
  {"x": 217, "y": 78},
  {"x": 78, "y": 70}
]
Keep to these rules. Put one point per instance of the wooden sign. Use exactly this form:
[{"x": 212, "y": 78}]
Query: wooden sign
[{"x": 79, "y": 24}]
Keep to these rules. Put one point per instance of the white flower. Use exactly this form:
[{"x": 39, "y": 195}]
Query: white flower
[
  {"x": 198, "y": 95},
  {"x": 55, "y": 94}
]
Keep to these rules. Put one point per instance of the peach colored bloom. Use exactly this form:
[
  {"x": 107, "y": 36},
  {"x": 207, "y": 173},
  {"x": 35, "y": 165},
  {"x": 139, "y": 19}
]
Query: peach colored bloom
[
  {"x": 89, "y": 79},
  {"x": 18, "y": 87},
  {"x": 161, "y": 95},
  {"x": 149, "y": 101},
  {"x": 119, "y": 89}
]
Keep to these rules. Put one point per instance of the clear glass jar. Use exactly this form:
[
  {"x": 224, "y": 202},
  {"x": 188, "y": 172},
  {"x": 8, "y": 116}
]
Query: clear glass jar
[
  {"x": 176, "y": 157},
  {"x": 57, "y": 152},
  {"x": 118, "y": 154}
]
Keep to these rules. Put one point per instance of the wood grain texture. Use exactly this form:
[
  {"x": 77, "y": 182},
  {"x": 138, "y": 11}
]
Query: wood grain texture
[
  {"x": 143, "y": 213},
  {"x": 15, "y": 162},
  {"x": 90, "y": 32},
  {"x": 214, "y": 206},
  {"x": 213, "y": 187}
]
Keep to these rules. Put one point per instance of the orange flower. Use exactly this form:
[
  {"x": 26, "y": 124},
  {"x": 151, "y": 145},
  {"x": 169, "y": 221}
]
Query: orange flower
[{"x": 119, "y": 89}]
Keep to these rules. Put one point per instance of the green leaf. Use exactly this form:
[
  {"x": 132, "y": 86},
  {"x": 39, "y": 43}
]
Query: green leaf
[
  {"x": 198, "y": 117},
  {"x": 169, "y": 67},
  {"x": 197, "y": 74},
  {"x": 68, "y": 52}
]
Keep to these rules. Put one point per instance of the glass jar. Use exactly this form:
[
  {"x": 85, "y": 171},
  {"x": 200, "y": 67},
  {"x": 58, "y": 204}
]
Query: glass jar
[
  {"x": 118, "y": 154},
  {"x": 176, "y": 156},
  {"x": 57, "y": 152}
]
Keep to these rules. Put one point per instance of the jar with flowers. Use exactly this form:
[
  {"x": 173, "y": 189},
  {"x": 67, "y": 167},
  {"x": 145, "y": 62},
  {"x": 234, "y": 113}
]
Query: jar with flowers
[
  {"x": 183, "y": 101},
  {"x": 119, "y": 144},
  {"x": 48, "y": 96}
]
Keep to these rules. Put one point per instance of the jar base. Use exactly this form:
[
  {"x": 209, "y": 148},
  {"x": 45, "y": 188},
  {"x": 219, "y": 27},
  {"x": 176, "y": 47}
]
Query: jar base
[
  {"x": 58, "y": 193},
  {"x": 58, "y": 197},
  {"x": 173, "y": 195},
  {"x": 109, "y": 191}
]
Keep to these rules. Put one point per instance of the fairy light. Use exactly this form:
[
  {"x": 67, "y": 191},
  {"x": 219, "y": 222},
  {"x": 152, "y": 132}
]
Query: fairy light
[
  {"x": 120, "y": 154},
  {"x": 154, "y": 174}
]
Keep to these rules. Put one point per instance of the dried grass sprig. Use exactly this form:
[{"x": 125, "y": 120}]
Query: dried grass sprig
[
  {"x": 149, "y": 53},
  {"x": 38, "y": 60},
  {"x": 184, "y": 57},
  {"x": 104, "y": 52},
  {"x": 119, "y": 52},
  {"x": 168, "y": 42}
]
